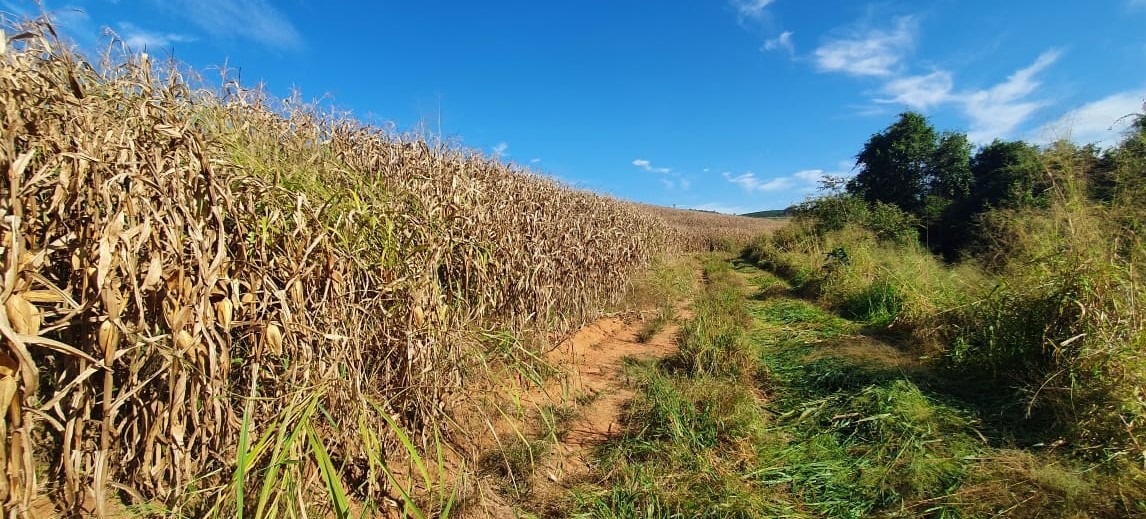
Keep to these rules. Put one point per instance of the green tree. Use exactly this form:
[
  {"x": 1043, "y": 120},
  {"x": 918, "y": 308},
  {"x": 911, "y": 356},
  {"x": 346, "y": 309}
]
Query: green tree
[
  {"x": 1006, "y": 174},
  {"x": 1003, "y": 174},
  {"x": 949, "y": 172},
  {"x": 949, "y": 183},
  {"x": 920, "y": 172},
  {"x": 895, "y": 165}
]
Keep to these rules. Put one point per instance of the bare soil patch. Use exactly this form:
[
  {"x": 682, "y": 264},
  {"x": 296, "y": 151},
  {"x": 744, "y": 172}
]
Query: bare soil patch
[{"x": 593, "y": 358}]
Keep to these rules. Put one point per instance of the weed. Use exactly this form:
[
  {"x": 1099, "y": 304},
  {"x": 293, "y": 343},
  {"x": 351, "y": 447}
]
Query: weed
[
  {"x": 878, "y": 305},
  {"x": 514, "y": 463}
]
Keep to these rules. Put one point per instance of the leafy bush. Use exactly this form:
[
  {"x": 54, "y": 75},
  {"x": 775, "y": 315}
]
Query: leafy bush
[
  {"x": 832, "y": 212},
  {"x": 891, "y": 224},
  {"x": 1064, "y": 323}
]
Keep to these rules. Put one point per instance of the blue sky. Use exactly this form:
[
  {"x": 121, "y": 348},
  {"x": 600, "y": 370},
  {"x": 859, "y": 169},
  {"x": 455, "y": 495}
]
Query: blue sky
[{"x": 728, "y": 105}]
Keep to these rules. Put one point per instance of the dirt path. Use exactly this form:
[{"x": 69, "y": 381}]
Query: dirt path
[{"x": 593, "y": 357}]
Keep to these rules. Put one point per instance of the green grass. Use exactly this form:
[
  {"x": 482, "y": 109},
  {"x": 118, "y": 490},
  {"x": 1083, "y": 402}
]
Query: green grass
[
  {"x": 691, "y": 427},
  {"x": 862, "y": 437},
  {"x": 877, "y": 431},
  {"x": 821, "y": 420}
]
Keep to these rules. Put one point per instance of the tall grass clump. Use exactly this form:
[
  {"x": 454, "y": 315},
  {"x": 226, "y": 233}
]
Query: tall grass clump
[
  {"x": 714, "y": 342},
  {"x": 1065, "y": 322},
  {"x": 219, "y": 303},
  {"x": 867, "y": 263}
]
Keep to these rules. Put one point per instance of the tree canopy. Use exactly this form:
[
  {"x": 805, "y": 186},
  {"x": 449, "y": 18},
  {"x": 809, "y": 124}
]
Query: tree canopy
[
  {"x": 943, "y": 184},
  {"x": 895, "y": 164}
]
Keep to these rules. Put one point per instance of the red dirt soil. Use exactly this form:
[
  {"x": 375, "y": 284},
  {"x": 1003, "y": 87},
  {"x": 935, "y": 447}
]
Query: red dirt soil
[{"x": 593, "y": 358}]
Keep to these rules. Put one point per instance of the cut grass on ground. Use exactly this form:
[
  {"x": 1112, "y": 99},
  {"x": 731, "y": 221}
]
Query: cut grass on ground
[{"x": 820, "y": 420}]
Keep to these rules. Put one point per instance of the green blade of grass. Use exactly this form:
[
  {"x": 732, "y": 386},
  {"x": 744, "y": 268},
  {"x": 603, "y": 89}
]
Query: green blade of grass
[
  {"x": 329, "y": 474},
  {"x": 373, "y": 454}
]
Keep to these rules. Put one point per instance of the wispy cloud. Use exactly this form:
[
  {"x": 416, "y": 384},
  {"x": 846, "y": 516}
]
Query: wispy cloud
[
  {"x": 920, "y": 92},
  {"x": 993, "y": 112},
  {"x": 674, "y": 183},
  {"x": 499, "y": 149},
  {"x": 721, "y": 208},
  {"x": 870, "y": 52},
  {"x": 1100, "y": 122},
  {"x": 140, "y": 39},
  {"x": 750, "y": 182},
  {"x": 751, "y": 8},
  {"x": 255, "y": 20},
  {"x": 781, "y": 42},
  {"x": 804, "y": 182},
  {"x": 999, "y": 110},
  {"x": 668, "y": 178},
  {"x": 71, "y": 20},
  {"x": 534, "y": 161},
  {"x": 648, "y": 166},
  {"x": 881, "y": 53}
]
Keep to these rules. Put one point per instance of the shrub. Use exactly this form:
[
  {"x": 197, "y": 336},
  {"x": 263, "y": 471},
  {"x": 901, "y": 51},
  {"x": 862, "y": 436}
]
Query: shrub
[{"x": 892, "y": 224}]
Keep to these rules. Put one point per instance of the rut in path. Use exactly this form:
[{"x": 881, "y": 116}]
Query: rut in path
[{"x": 593, "y": 358}]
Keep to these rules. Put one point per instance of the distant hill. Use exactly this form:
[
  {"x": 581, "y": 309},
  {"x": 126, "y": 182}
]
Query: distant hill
[{"x": 771, "y": 213}]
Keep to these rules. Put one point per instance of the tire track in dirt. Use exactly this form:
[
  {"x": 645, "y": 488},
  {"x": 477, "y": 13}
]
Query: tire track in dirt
[{"x": 593, "y": 358}]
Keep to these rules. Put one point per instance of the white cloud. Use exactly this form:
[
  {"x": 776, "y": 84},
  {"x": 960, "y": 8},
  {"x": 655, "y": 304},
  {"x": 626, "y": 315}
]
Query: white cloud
[
  {"x": 1100, "y": 122},
  {"x": 671, "y": 179},
  {"x": 648, "y": 166},
  {"x": 675, "y": 182},
  {"x": 71, "y": 21},
  {"x": 806, "y": 181},
  {"x": 783, "y": 41},
  {"x": 920, "y": 92},
  {"x": 255, "y": 20},
  {"x": 994, "y": 112},
  {"x": 720, "y": 208},
  {"x": 872, "y": 52},
  {"x": 534, "y": 161},
  {"x": 997, "y": 111},
  {"x": 751, "y": 8},
  {"x": 140, "y": 39},
  {"x": 499, "y": 149},
  {"x": 750, "y": 182},
  {"x": 810, "y": 175}
]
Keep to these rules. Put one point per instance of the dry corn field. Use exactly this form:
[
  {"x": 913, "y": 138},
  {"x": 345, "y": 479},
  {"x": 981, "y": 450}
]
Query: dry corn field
[
  {"x": 216, "y": 302},
  {"x": 702, "y": 231}
]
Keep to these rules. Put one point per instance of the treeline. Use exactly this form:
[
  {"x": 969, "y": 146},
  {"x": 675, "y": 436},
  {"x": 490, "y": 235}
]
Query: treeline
[
  {"x": 771, "y": 213},
  {"x": 936, "y": 183}
]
